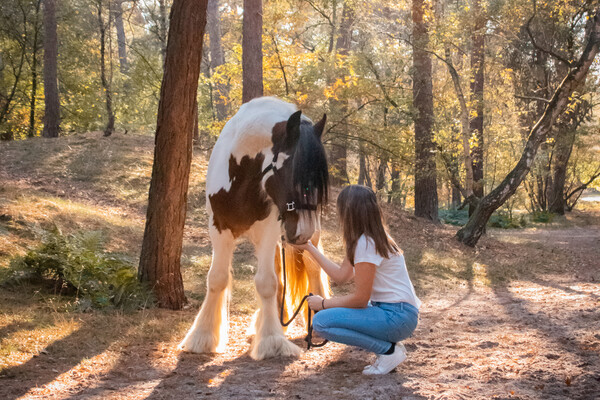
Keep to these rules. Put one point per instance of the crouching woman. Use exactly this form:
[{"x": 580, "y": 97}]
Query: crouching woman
[{"x": 383, "y": 310}]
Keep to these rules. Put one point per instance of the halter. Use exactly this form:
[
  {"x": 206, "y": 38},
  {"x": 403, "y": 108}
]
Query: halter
[{"x": 290, "y": 206}]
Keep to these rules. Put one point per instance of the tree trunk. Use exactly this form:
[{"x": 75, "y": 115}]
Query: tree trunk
[
  {"x": 381, "y": 182},
  {"x": 167, "y": 201},
  {"x": 456, "y": 198},
  {"x": 196, "y": 135},
  {"x": 474, "y": 228},
  {"x": 162, "y": 29},
  {"x": 217, "y": 58},
  {"x": 34, "y": 72},
  {"x": 464, "y": 122},
  {"x": 477, "y": 81},
  {"x": 363, "y": 174},
  {"x": 426, "y": 199},
  {"x": 561, "y": 154},
  {"x": 332, "y": 41},
  {"x": 338, "y": 151},
  {"x": 117, "y": 11},
  {"x": 252, "y": 63},
  {"x": 394, "y": 196},
  {"x": 51, "y": 100},
  {"x": 110, "y": 125}
]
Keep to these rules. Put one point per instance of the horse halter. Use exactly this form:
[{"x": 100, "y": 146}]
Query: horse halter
[{"x": 290, "y": 206}]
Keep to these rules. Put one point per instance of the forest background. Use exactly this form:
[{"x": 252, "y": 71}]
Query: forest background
[{"x": 495, "y": 65}]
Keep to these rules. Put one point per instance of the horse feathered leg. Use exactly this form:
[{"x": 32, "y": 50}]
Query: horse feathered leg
[
  {"x": 269, "y": 340},
  {"x": 209, "y": 332}
]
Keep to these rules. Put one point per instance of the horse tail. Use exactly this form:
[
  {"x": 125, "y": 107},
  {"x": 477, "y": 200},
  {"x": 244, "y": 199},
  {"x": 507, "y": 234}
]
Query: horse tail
[{"x": 296, "y": 279}]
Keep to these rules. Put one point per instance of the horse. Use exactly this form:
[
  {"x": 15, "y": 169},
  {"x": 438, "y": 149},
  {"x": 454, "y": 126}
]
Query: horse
[{"x": 267, "y": 179}]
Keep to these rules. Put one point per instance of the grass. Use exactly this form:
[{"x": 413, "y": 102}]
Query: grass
[{"x": 87, "y": 182}]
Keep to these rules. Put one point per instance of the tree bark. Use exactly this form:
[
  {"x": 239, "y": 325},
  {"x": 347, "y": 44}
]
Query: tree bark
[
  {"x": 34, "y": 71},
  {"x": 165, "y": 219},
  {"x": 426, "y": 199},
  {"x": 252, "y": 63},
  {"x": 338, "y": 151},
  {"x": 561, "y": 154},
  {"x": 456, "y": 197},
  {"x": 474, "y": 228},
  {"x": 117, "y": 12},
  {"x": 394, "y": 196},
  {"x": 162, "y": 29},
  {"x": 381, "y": 183},
  {"x": 106, "y": 84},
  {"x": 217, "y": 58},
  {"x": 363, "y": 173},
  {"x": 464, "y": 122},
  {"x": 51, "y": 99},
  {"x": 477, "y": 82}
]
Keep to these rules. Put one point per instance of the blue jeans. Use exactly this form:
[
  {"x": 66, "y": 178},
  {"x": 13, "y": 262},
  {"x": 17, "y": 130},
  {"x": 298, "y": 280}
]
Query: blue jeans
[{"x": 372, "y": 328}]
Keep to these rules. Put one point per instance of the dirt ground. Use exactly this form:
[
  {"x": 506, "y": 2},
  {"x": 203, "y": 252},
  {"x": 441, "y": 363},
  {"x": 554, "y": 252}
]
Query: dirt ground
[
  {"x": 517, "y": 317},
  {"x": 536, "y": 339}
]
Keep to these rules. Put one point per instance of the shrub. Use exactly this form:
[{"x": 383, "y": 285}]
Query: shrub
[
  {"x": 454, "y": 217},
  {"x": 506, "y": 221},
  {"x": 545, "y": 217},
  {"x": 78, "y": 265}
]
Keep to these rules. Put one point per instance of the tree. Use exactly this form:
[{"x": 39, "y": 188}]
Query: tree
[
  {"x": 52, "y": 102},
  {"x": 426, "y": 200},
  {"x": 477, "y": 82},
  {"x": 34, "y": 70},
  {"x": 474, "y": 228},
  {"x": 252, "y": 65},
  {"x": 561, "y": 153},
  {"x": 165, "y": 218},
  {"x": 217, "y": 57},
  {"x": 339, "y": 149},
  {"x": 106, "y": 81},
  {"x": 117, "y": 15}
]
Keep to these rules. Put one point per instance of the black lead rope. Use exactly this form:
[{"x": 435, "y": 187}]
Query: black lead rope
[{"x": 308, "y": 338}]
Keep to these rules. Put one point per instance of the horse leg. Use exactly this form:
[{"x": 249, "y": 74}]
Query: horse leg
[
  {"x": 209, "y": 333},
  {"x": 269, "y": 340}
]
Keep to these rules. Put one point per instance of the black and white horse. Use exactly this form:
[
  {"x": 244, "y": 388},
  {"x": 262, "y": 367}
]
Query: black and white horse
[{"x": 267, "y": 176}]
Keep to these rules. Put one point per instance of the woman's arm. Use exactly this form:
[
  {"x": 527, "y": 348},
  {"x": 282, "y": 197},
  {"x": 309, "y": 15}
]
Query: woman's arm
[
  {"x": 338, "y": 273},
  {"x": 363, "y": 280}
]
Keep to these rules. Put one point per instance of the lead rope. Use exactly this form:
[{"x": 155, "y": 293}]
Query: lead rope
[{"x": 309, "y": 328}]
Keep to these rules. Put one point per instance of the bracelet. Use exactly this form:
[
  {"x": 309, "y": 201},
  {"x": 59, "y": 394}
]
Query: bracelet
[{"x": 323, "y": 304}]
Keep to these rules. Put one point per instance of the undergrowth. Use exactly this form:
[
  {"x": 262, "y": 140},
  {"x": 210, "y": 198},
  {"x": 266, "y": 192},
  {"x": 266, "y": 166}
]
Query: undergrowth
[
  {"x": 76, "y": 265},
  {"x": 499, "y": 219}
]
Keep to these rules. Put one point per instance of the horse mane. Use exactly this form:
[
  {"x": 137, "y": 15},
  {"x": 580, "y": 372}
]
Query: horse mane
[{"x": 310, "y": 173}]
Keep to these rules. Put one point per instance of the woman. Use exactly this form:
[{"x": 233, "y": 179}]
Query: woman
[{"x": 380, "y": 275}]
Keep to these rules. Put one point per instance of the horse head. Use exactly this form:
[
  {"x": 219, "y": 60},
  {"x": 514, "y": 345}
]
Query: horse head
[{"x": 298, "y": 185}]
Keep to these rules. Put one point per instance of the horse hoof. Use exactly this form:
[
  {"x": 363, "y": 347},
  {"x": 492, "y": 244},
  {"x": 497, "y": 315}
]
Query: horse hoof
[
  {"x": 273, "y": 346},
  {"x": 201, "y": 342}
]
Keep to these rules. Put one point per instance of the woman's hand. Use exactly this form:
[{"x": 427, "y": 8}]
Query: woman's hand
[
  {"x": 315, "y": 302},
  {"x": 303, "y": 247}
]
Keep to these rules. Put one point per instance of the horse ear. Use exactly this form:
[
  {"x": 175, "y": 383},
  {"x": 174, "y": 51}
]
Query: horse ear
[
  {"x": 320, "y": 126},
  {"x": 293, "y": 129}
]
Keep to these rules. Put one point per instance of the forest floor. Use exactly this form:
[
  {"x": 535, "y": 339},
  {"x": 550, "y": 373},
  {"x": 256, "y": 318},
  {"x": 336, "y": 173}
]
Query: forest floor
[{"x": 517, "y": 317}]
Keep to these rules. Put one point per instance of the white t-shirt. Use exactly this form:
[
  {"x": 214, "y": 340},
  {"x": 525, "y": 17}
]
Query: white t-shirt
[{"x": 392, "y": 283}]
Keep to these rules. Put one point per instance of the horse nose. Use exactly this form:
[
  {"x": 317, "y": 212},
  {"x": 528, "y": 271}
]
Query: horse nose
[{"x": 299, "y": 239}]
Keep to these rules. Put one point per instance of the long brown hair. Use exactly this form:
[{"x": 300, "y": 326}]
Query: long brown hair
[{"x": 359, "y": 215}]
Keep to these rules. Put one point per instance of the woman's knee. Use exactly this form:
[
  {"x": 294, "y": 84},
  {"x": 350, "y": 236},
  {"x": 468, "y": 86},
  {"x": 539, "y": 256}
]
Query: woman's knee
[
  {"x": 408, "y": 327},
  {"x": 321, "y": 321}
]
